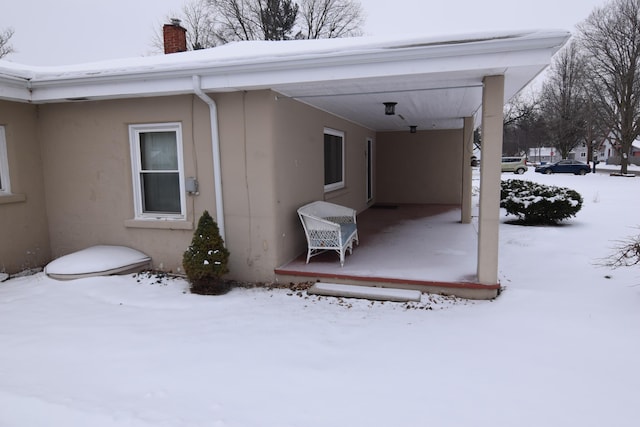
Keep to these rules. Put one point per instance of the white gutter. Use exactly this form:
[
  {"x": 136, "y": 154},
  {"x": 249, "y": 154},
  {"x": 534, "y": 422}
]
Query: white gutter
[{"x": 215, "y": 147}]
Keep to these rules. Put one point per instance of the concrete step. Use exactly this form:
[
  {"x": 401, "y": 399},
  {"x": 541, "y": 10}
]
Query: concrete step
[{"x": 364, "y": 292}]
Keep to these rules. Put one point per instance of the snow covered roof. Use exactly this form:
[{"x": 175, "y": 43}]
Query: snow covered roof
[{"x": 436, "y": 81}]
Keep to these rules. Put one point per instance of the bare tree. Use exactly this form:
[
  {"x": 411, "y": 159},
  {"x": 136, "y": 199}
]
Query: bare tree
[
  {"x": 237, "y": 20},
  {"x": 253, "y": 19},
  {"x": 626, "y": 253},
  {"x": 611, "y": 37},
  {"x": 199, "y": 18},
  {"x": 597, "y": 130},
  {"x": 5, "y": 38},
  {"x": 211, "y": 23},
  {"x": 520, "y": 107},
  {"x": 564, "y": 105},
  {"x": 523, "y": 126},
  {"x": 326, "y": 19}
]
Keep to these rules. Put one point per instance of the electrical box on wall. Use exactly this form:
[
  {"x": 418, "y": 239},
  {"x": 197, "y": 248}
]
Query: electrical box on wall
[{"x": 191, "y": 185}]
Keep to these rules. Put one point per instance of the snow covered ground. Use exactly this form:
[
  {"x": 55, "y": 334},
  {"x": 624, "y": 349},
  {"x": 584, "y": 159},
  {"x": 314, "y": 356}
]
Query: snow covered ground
[{"x": 559, "y": 347}]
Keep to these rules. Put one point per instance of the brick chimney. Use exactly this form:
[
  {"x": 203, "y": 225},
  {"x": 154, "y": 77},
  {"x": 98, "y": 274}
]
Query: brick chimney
[{"x": 175, "y": 37}]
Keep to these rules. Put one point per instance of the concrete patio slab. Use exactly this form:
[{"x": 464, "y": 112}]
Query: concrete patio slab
[{"x": 418, "y": 247}]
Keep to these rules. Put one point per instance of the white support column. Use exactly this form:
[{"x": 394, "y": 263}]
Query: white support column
[
  {"x": 489, "y": 214},
  {"x": 467, "y": 187}
]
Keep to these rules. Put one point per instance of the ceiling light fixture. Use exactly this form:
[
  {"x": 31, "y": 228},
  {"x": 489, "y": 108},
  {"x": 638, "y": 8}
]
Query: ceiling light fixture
[{"x": 390, "y": 108}]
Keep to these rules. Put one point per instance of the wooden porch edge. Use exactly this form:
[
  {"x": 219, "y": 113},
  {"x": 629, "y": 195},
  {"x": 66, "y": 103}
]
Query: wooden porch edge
[{"x": 469, "y": 290}]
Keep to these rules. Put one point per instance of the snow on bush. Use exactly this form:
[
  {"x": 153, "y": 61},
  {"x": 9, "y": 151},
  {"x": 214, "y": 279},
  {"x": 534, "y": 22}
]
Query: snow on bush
[{"x": 536, "y": 204}]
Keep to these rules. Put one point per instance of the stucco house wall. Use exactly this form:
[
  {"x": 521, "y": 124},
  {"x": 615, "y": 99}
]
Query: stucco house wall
[
  {"x": 272, "y": 163},
  {"x": 272, "y": 150},
  {"x": 248, "y": 179},
  {"x": 23, "y": 214},
  {"x": 88, "y": 174},
  {"x": 431, "y": 167}
]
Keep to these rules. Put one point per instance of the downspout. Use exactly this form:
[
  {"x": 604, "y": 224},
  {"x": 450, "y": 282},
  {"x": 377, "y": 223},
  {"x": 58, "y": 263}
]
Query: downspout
[{"x": 215, "y": 148}]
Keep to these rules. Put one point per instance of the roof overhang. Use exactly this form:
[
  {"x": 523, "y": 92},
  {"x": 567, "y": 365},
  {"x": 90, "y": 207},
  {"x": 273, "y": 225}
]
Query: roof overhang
[{"x": 436, "y": 82}]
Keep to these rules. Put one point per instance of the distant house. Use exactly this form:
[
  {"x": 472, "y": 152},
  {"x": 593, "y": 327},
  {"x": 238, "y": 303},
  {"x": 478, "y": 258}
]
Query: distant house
[
  {"x": 131, "y": 152},
  {"x": 635, "y": 151},
  {"x": 543, "y": 155},
  {"x": 580, "y": 152},
  {"x": 609, "y": 153},
  {"x": 551, "y": 154}
]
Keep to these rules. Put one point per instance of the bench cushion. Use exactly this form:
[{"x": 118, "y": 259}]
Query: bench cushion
[{"x": 346, "y": 231}]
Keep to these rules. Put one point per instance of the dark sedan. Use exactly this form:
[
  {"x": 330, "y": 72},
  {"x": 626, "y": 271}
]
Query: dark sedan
[{"x": 565, "y": 166}]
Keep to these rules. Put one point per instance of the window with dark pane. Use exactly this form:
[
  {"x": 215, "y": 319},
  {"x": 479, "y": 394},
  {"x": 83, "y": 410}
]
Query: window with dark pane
[
  {"x": 159, "y": 172},
  {"x": 333, "y": 160}
]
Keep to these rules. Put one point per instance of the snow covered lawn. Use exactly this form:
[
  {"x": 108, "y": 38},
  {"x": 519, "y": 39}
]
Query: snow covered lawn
[{"x": 559, "y": 347}]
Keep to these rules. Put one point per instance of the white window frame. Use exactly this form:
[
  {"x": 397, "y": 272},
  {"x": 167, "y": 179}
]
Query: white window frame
[
  {"x": 340, "y": 184},
  {"x": 136, "y": 165},
  {"x": 5, "y": 182}
]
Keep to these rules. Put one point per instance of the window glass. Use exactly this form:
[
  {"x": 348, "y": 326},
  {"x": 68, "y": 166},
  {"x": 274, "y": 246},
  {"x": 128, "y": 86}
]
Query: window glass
[
  {"x": 161, "y": 192},
  {"x": 158, "y": 151},
  {"x": 333, "y": 159},
  {"x": 369, "y": 169}
]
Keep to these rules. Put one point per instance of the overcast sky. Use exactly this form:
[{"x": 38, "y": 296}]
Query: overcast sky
[{"x": 56, "y": 32}]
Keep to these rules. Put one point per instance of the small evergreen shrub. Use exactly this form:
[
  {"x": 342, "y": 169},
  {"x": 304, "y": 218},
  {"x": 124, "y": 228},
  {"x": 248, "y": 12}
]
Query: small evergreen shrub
[
  {"x": 535, "y": 204},
  {"x": 205, "y": 261}
]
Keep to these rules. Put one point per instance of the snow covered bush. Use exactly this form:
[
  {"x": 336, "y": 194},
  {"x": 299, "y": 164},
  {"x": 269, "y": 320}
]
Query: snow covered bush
[
  {"x": 536, "y": 204},
  {"x": 205, "y": 261}
]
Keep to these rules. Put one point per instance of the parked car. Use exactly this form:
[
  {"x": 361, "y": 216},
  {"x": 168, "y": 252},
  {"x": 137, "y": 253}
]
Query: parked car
[
  {"x": 565, "y": 166},
  {"x": 514, "y": 164}
]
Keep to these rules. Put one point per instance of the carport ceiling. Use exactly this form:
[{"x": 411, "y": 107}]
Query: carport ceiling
[
  {"x": 428, "y": 101},
  {"x": 419, "y": 102}
]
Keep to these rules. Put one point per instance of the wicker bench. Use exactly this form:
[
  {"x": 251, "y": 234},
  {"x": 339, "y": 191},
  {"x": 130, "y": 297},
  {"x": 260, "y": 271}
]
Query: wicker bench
[{"x": 328, "y": 227}]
